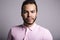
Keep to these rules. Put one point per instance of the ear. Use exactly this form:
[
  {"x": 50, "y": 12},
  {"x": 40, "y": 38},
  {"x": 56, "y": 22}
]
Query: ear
[
  {"x": 21, "y": 14},
  {"x": 36, "y": 13}
]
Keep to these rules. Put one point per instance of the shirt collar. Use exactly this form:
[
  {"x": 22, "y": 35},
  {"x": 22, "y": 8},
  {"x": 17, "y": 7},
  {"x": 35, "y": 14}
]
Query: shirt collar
[{"x": 32, "y": 27}]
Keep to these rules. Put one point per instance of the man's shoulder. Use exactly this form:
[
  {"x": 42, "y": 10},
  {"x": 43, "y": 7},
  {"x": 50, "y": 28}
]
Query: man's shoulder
[
  {"x": 43, "y": 29},
  {"x": 45, "y": 32},
  {"x": 16, "y": 27}
]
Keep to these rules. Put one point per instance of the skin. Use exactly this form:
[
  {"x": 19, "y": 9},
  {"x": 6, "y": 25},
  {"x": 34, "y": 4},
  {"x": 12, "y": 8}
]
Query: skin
[{"x": 29, "y": 14}]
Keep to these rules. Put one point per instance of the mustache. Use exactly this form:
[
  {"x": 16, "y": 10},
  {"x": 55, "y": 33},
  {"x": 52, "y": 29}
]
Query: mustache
[{"x": 30, "y": 18}]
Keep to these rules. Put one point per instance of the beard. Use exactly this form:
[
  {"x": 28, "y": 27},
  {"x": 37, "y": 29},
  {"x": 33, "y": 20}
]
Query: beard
[{"x": 28, "y": 21}]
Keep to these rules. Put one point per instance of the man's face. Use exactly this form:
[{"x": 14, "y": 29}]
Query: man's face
[{"x": 29, "y": 13}]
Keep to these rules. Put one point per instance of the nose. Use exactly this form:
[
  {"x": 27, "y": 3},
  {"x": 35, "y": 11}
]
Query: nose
[{"x": 29, "y": 14}]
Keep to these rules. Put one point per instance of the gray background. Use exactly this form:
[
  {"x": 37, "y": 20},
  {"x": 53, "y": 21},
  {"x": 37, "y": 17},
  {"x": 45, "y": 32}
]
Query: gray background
[{"x": 48, "y": 16}]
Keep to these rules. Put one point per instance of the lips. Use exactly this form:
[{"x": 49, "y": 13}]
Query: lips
[{"x": 29, "y": 19}]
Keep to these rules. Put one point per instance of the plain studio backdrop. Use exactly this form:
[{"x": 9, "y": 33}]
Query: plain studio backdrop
[{"x": 48, "y": 16}]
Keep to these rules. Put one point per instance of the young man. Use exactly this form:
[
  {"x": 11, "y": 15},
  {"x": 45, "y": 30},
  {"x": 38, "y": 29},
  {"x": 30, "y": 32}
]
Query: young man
[{"x": 29, "y": 30}]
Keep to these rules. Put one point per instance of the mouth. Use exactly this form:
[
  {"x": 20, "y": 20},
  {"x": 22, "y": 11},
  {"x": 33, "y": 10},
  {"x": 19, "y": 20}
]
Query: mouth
[{"x": 29, "y": 19}]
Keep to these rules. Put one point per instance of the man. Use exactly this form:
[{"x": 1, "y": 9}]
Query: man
[{"x": 29, "y": 30}]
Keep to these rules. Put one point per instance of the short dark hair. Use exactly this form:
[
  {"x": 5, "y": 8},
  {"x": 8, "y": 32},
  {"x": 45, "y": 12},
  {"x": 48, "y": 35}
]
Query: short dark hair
[{"x": 29, "y": 2}]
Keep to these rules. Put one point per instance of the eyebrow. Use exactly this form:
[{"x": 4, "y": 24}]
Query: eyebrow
[{"x": 30, "y": 10}]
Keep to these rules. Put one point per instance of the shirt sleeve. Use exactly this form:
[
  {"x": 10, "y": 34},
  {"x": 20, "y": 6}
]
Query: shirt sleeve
[{"x": 10, "y": 37}]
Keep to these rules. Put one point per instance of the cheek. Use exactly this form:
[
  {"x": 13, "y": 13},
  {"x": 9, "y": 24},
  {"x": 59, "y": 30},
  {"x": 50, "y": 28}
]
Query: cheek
[
  {"x": 24, "y": 16},
  {"x": 34, "y": 15}
]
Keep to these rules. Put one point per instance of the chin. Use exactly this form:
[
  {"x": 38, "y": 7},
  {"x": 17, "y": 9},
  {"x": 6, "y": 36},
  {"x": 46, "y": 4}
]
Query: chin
[{"x": 30, "y": 23}]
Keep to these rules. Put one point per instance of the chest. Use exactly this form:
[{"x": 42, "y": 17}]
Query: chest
[{"x": 30, "y": 35}]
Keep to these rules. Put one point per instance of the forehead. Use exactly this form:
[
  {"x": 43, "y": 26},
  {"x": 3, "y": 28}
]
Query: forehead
[{"x": 29, "y": 7}]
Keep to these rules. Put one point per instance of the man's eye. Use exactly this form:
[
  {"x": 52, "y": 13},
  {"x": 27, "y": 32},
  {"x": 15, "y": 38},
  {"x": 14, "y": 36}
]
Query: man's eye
[
  {"x": 32, "y": 11},
  {"x": 24, "y": 12}
]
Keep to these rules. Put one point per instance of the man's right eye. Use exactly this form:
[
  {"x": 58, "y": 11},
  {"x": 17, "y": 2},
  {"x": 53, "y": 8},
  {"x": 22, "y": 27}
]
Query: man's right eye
[{"x": 25, "y": 12}]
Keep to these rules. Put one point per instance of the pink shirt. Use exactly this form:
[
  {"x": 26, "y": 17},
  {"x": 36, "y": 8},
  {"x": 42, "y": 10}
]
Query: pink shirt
[{"x": 35, "y": 32}]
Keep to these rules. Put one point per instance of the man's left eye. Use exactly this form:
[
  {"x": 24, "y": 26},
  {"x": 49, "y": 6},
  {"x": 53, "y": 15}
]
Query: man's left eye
[{"x": 32, "y": 11}]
